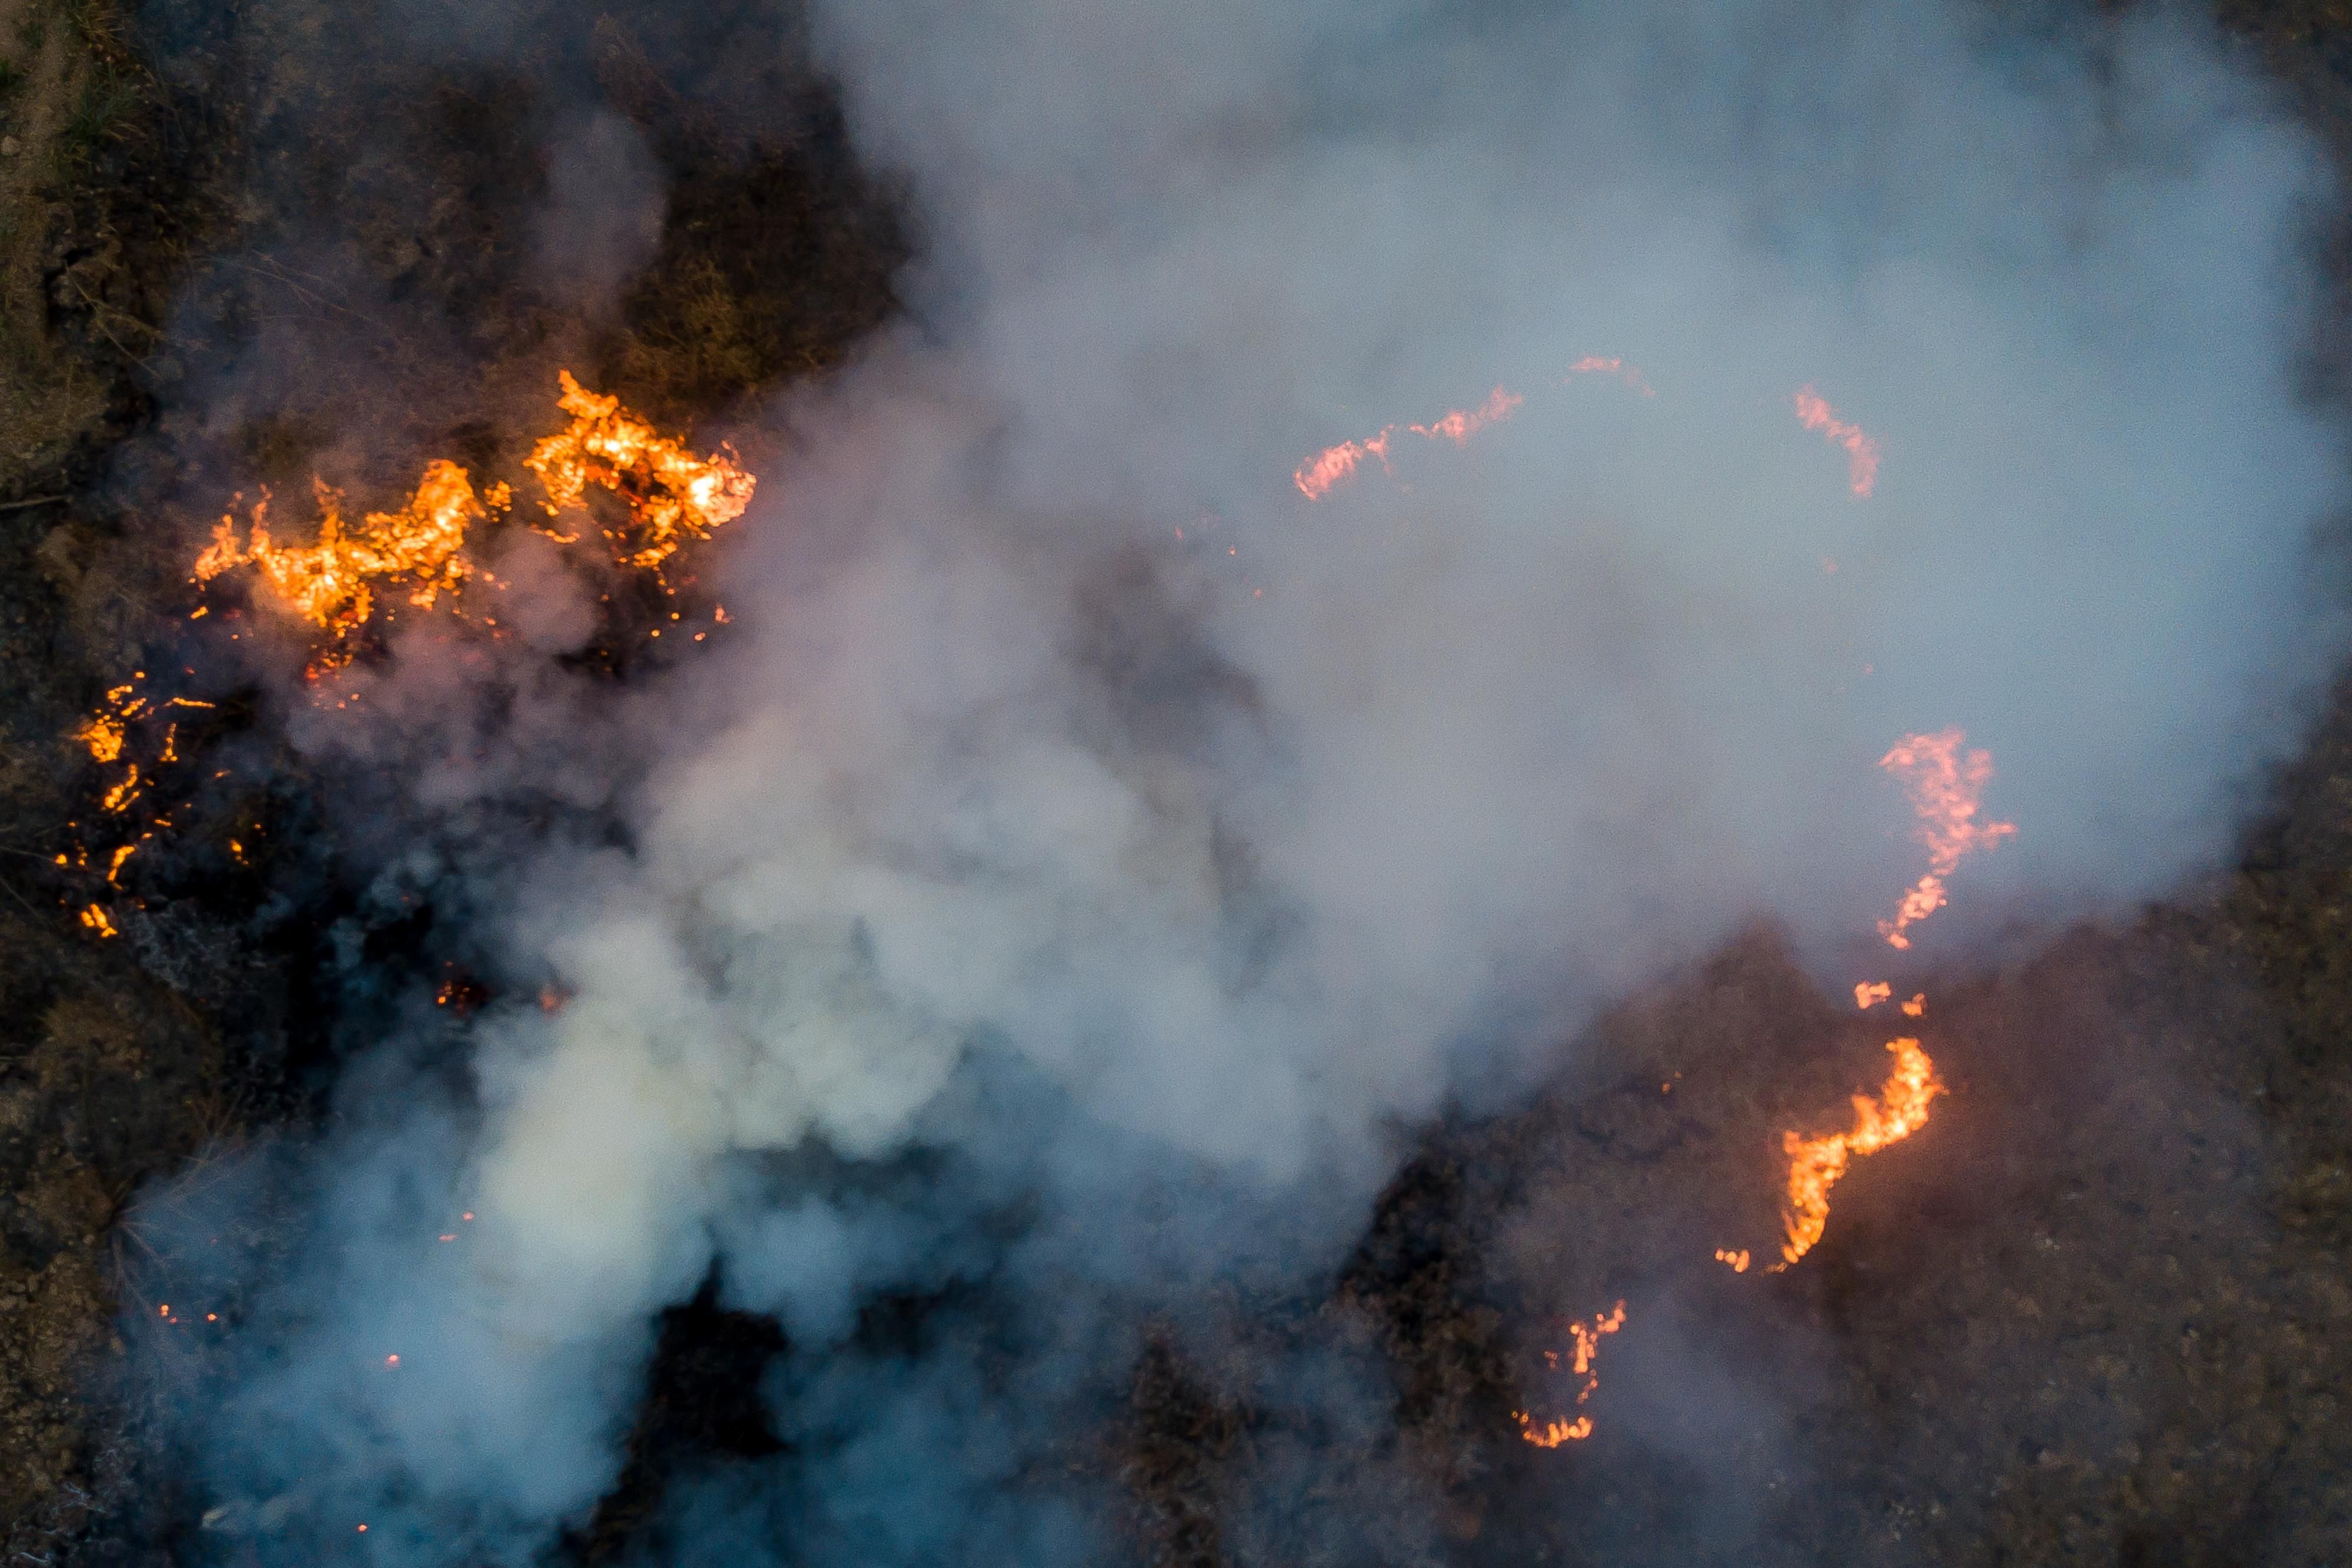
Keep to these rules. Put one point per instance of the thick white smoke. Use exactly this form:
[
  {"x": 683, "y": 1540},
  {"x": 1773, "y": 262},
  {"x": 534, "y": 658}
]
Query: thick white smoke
[{"x": 1079, "y": 804}]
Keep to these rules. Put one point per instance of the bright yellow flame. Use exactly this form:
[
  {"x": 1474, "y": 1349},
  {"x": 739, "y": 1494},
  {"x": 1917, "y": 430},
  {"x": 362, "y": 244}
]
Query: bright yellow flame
[
  {"x": 332, "y": 582},
  {"x": 672, "y": 495},
  {"x": 418, "y": 552}
]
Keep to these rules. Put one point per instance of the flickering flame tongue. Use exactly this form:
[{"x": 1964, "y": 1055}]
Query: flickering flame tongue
[
  {"x": 1944, "y": 784},
  {"x": 668, "y": 497},
  {"x": 1327, "y": 468},
  {"x": 673, "y": 496},
  {"x": 1862, "y": 451},
  {"x": 332, "y": 582},
  {"x": 1316, "y": 477},
  {"x": 1458, "y": 425},
  {"x": 1816, "y": 1163}
]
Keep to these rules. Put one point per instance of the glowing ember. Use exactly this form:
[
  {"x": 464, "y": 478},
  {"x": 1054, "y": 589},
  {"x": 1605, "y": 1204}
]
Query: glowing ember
[
  {"x": 122, "y": 794},
  {"x": 1861, "y": 450},
  {"x": 1586, "y": 1340},
  {"x": 104, "y": 732},
  {"x": 1553, "y": 1433},
  {"x": 1737, "y": 1261},
  {"x": 1944, "y": 785},
  {"x": 672, "y": 495},
  {"x": 1870, "y": 993},
  {"x": 1816, "y": 1163}
]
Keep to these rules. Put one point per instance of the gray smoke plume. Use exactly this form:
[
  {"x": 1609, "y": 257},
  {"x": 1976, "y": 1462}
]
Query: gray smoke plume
[{"x": 1087, "y": 857}]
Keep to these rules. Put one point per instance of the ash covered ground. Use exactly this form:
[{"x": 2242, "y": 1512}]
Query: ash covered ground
[{"x": 2096, "y": 1311}]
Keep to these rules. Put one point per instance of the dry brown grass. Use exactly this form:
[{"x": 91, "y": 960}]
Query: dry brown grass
[{"x": 48, "y": 394}]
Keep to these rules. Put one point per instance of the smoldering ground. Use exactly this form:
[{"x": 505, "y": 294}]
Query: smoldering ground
[{"x": 1030, "y": 941}]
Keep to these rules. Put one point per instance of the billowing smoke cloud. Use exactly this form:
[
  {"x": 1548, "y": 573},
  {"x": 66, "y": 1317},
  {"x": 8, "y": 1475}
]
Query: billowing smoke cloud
[{"x": 1089, "y": 852}]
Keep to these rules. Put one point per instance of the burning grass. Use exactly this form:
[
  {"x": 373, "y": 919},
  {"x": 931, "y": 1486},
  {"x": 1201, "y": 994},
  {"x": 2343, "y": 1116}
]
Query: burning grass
[
  {"x": 125, "y": 192},
  {"x": 2006, "y": 1250},
  {"x": 669, "y": 498}
]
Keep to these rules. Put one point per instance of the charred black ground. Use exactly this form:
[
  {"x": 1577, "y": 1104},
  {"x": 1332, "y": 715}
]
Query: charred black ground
[{"x": 2012, "y": 1347}]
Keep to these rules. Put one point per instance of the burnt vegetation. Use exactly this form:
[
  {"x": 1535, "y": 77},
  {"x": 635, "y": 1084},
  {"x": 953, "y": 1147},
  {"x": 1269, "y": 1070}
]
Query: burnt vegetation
[{"x": 2097, "y": 1311}]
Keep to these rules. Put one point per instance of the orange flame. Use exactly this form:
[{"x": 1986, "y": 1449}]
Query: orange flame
[
  {"x": 1459, "y": 424},
  {"x": 1861, "y": 450},
  {"x": 1586, "y": 1340},
  {"x": 1737, "y": 1260},
  {"x": 334, "y": 582},
  {"x": 103, "y": 736},
  {"x": 330, "y": 583},
  {"x": 672, "y": 495},
  {"x": 1612, "y": 365},
  {"x": 1316, "y": 476},
  {"x": 1944, "y": 785},
  {"x": 1815, "y": 1165},
  {"x": 1327, "y": 468},
  {"x": 1553, "y": 1433},
  {"x": 122, "y": 794}
]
